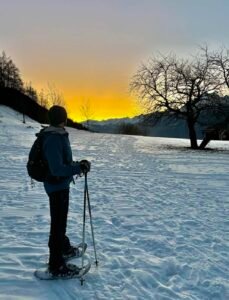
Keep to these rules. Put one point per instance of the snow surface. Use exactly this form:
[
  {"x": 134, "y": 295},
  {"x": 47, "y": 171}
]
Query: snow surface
[{"x": 160, "y": 215}]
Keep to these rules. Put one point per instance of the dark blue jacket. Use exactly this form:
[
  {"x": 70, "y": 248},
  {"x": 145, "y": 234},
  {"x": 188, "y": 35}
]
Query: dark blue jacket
[{"x": 57, "y": 151}]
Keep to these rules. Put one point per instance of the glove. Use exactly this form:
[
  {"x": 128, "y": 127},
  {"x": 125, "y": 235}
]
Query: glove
[{"x": 85, "y": 166}]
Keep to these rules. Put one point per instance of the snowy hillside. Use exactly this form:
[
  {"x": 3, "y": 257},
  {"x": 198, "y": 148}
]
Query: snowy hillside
[{"x": 160, "y": 218}]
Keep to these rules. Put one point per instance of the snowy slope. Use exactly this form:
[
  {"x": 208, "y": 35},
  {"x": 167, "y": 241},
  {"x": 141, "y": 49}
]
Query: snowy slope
[{"x": 160, "y": 216}]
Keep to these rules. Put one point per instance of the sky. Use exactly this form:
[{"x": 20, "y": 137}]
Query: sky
[{"x": 90, "y": 49}]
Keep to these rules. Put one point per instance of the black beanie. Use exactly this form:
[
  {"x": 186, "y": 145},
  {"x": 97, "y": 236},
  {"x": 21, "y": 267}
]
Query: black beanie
[{"x": 57, "y": 114}]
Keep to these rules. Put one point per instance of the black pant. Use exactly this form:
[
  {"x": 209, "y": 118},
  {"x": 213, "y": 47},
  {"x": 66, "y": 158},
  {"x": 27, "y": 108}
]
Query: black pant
[{"x": 58, "y": 241}]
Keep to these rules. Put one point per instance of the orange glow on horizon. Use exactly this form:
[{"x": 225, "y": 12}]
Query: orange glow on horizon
[
  {"x": 105, "y": 87},
  {"x": 102, "y": 109}
]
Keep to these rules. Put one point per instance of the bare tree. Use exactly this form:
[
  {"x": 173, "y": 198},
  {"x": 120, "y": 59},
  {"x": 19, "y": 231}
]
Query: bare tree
[
  {"x": 43, "y": 99},
  {"x": 86, "y": 111},
  {"x": 220, "y": 61},
  {"x": 178, "y": 88},
  {"x": 53, "y": 96},
  {"x": 50, "y": 96}
]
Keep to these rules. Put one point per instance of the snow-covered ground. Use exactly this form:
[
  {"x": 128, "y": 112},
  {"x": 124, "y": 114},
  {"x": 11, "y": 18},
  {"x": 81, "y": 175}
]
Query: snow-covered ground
[{"x": 160, "y": 216}]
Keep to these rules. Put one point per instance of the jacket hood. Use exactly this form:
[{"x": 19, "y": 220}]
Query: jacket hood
[{"x": 52, "y": 130}]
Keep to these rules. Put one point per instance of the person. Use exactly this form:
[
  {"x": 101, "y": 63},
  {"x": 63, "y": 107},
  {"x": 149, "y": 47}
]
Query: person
[{"x": 58, "y": 154}]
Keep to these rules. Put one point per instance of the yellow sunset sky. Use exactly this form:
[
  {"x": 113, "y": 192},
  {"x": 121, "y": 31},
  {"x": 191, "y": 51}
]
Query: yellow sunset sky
[{"x": 90, "y": 49}]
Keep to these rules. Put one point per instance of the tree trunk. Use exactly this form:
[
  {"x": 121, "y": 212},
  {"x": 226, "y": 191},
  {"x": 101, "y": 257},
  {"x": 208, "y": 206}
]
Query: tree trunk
[
  {"x": 204, "y": 143},
  {"x": 192, "y": 134}
]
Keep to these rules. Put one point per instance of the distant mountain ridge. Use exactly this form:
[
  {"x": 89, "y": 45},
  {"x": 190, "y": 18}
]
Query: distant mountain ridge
[{"x": 163, "y": 128}]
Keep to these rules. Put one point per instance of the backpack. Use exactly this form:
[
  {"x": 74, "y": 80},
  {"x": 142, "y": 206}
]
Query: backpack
[{"x": 37, "y": 166}]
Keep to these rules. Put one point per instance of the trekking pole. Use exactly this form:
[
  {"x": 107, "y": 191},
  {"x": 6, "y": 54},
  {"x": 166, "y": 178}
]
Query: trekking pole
[
  {"x": 90, "y": 214},
  {"x": 84, "y": 222}
]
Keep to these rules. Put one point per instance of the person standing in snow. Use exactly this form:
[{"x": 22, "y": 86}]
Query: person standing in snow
[{"x": 58, "y": 154}]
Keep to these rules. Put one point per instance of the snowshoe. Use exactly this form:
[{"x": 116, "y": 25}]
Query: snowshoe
[{"x": 67, "y": 271}]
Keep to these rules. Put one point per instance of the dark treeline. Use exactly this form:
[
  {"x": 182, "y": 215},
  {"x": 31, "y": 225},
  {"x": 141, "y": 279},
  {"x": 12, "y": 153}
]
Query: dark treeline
[
  {"x": 25, "y": 105},
  {"x": 22, "y": 97},
  {"x": 9, "y": 74}
]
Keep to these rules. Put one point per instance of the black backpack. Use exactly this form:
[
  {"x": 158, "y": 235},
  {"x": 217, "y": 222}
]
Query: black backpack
[{"x": 37, "y": 166}]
